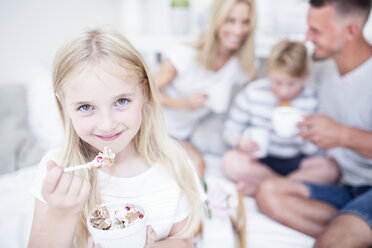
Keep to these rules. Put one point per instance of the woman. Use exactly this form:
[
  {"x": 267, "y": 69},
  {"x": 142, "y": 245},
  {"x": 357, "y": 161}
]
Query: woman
[{"x": 194, "y": 75}]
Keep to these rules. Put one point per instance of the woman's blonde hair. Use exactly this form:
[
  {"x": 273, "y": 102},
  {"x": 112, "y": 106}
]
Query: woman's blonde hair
[
  {"x": 289, "y": 57},
  {"x": 208, "y": 42},
  {"x": 107, "y": 48}
]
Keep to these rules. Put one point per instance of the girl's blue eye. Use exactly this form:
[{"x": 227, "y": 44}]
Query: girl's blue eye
[
  {"x": 229, "y": 20},
  {"x": 85, "y": 107},
  {"x": 122, "y": 101},
  {"x": 292, "y": 84}
]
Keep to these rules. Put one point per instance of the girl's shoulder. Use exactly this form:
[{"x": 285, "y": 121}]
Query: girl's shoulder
[{"x": 52, "y": 154}]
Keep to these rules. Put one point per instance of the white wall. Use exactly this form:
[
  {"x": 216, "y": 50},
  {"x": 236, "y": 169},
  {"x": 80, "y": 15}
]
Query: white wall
[{"x": 32, "y": 30}]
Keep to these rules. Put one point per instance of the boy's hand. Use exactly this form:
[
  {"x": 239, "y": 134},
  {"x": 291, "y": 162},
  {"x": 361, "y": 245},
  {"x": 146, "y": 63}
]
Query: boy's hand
[
  {"x": 247, "y": 145},
  {"x": 150, "y": 237},
  {"x": 65, "y": 193}
]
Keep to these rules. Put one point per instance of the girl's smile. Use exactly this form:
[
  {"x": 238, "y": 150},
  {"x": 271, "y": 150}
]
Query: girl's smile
[{"x": 110, "y": 137}]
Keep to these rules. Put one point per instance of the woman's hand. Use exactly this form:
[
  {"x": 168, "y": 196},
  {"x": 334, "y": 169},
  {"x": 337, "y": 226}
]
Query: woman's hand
[
  {"x": 91, "y": 244},
  {"x": 150, "y": 237},
  {"x": 195, "y": 100},
  {"x": 65, "y": 193}
]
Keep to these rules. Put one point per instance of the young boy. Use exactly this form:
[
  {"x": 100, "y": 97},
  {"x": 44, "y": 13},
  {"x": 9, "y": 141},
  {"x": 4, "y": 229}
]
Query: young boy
[{"x": 286, "y": 72}]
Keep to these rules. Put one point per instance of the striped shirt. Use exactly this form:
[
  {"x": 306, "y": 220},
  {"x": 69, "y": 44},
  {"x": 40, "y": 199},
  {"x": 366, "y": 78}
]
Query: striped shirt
[{"x": 253, "y": 107}]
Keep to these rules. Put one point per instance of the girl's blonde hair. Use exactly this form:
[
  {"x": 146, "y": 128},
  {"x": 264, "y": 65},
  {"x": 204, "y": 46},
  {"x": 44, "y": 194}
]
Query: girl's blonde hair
[
  {"x": 208, "y": 42},
  {"x": 289, "y": 57},
  {"x": 107, "y": 48}
]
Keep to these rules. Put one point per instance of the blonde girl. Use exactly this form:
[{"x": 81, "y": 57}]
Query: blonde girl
[
  {"x": 194, "y": 74},
  {"x": 106, "y": 97}
]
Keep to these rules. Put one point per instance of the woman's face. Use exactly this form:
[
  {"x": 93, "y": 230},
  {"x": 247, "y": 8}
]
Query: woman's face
[
  {"x": 104, "y": 110},
  {"x": 235, "y": 29}
]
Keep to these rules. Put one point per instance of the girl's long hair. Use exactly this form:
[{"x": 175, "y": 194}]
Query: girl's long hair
[
  {"x": 108, "y": 48},
  {"x": 207, "y": 44}
]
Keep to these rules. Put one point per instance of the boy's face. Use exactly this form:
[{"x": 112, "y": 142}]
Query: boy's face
[
  {"x": 285, "y": 87},
  {"x": 104, "y": 110}
]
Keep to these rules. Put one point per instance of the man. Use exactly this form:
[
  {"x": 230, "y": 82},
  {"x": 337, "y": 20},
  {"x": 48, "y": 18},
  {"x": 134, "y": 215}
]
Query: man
[{"x": 337, "y": 215}]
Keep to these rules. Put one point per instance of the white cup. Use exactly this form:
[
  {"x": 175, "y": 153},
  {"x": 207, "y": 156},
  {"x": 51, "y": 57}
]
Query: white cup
[
  {"x": 261, "y": 136},
  {"x": 218, "y": 97},
  {"x": 285, "y": 120},
  {"x": 132, "y": 236}
]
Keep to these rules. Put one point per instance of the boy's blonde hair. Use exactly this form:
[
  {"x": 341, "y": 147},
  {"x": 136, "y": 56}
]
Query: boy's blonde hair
[
  {"x": 289, "y": 57},
  {"x": 107, "y": 48},
  {"x": 207, "y": 44}
]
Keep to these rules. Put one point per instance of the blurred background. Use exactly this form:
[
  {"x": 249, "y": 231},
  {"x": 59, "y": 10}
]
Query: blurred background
[{"x": 32, "y": 31}]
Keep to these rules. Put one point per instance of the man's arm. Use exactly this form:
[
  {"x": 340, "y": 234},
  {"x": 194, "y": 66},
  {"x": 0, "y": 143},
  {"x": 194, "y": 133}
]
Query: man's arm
[{"x": 357, "y": 140}]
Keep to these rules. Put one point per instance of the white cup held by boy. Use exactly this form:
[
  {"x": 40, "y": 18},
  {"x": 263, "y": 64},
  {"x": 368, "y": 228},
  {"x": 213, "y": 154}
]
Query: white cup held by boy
[
  {"x": 285, "y": 120},
  {"x": 132, "y": 235},
  {"x": 261, "y": 137}
]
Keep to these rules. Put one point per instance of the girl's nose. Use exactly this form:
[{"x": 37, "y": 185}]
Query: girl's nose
[{"x": 106, "y": 123}]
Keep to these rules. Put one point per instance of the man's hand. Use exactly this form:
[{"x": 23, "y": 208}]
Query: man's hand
[{"x": 322, "y": 131}]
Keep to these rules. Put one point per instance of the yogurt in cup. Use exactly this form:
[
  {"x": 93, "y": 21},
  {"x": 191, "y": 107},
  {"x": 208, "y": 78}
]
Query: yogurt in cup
[{"x": 118, "y": 224}]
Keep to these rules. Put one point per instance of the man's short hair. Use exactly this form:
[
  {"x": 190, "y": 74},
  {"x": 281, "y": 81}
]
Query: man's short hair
[{"x": 361, "y": 7}]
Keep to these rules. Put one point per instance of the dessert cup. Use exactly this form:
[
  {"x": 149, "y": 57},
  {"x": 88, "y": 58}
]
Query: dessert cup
[{"x": 133, "y": 236}]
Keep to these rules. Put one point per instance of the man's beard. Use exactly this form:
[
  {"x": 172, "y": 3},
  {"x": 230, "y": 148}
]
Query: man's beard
[
  {"x": 327, "y": 54},
  {"x": 317, "y": 58}
]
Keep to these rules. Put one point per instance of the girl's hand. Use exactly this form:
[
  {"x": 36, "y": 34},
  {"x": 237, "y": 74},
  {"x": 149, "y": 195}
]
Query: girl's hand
[
  {"x": 150, "y": 237},
  {"x": 195, "y": 100},
  {"x": 65, "y": 193},
  {"x": 91, "y": 244},
  {"x": 247, "y": 145}
]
